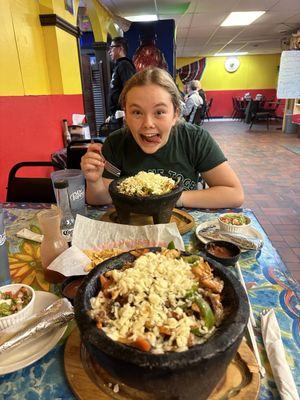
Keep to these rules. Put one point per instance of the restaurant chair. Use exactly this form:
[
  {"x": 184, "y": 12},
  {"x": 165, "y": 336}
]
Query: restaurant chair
[
  {"x": 30, "y": 189},
  {"x": 238, "y": 109},
  {"x": 273, "y": 109},
  {"x": 76, "y": 149},
  {"x": 208, "y": 107},
  {"x": 107, "y": 128},
  {"x": 199, "y": 115},
  {"x": 254, "y": 114}
]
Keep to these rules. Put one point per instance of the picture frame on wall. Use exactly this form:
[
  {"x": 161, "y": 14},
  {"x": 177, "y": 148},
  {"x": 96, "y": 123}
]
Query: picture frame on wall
[{"x": 69, "y": 6}]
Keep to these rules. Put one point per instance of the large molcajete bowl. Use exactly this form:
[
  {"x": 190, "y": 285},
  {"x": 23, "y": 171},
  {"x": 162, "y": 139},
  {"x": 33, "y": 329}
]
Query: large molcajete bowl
[
  {"x": 187, "y": 375},
  {"x": 158, "y": 206}
]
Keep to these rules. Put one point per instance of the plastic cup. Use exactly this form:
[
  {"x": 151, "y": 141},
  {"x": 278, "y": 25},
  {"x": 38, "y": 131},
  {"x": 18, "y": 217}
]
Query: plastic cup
[{"x": 76, "y": 188}]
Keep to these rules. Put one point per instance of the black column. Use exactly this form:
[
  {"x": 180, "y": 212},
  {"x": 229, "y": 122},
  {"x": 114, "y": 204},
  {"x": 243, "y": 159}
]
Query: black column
[{"x": 103, "y": 60}]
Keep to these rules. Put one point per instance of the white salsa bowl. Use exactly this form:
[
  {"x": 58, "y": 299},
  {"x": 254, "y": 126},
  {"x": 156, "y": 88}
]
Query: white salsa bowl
[
  {"x": 24, "y": 312},
  {"x": 234, "y": 222}
]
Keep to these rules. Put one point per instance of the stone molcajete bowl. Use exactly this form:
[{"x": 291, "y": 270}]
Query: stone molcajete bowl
[
  {"x": 189, "y": 375},
  {"x": 158, "y": 206}
]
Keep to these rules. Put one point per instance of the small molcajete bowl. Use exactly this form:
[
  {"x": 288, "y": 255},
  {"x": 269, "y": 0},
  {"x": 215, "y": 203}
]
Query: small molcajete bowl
[
  {"x": 224, "y": 252},
  {"x": 158, "y": 206},
  {"x": 187, "y": 375}
]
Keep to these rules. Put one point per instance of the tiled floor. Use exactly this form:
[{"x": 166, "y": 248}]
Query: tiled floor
[{"x": 270, "y": 174}]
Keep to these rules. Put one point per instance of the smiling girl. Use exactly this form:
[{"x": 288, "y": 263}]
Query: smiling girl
[{"x": 156, "y": 140}]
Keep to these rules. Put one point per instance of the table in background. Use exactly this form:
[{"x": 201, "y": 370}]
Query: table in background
[{"x": 268, "y": 281}]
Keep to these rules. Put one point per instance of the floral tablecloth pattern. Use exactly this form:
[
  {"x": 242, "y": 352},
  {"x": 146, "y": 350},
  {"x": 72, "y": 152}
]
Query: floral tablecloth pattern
[{"x": 268, "y": 282}]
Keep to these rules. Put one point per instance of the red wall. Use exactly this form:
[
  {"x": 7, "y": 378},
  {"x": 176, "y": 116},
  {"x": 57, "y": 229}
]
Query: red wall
[
  {"x": 222, "y": 100},
  {"x": 31, "y": 129}
]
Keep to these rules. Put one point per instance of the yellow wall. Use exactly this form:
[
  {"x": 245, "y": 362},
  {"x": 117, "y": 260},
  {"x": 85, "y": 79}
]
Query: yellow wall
[
  {"x": 254, "y": 72},
  {"x": 69, "y": 63},
  {"x": 38, "y": 60},
  {"x": 30, "y": 46},
  {"x": 10, "y": 74}
]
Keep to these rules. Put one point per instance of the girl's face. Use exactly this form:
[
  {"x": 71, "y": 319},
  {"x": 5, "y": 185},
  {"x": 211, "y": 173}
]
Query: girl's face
[{"x": 150, "y": 115}]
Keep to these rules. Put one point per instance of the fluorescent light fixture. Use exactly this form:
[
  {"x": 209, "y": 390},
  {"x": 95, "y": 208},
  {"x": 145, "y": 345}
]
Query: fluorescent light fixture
[
  {"x": 142, "y": 18},
  {"x": 237, "y": 53},
  {"x": 242, "y": 18}
]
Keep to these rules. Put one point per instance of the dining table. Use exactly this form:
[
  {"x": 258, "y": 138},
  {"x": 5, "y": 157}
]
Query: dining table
[{"x": 269, "y": 285}]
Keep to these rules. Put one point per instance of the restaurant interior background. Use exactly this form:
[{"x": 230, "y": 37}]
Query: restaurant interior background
[{"x": 40, "y": 74}]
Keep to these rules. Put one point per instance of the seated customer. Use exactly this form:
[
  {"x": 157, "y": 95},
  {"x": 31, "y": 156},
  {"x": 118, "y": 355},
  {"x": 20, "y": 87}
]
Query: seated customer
[
  {"x": 154, "y": 140},
  {"x": 192, "y": 101},
  {"x": 201, "y": 93}
]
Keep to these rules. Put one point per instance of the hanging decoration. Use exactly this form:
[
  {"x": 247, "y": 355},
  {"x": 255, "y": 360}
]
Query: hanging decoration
[
  {"x": 192, "y": 71},
  {"x": 123, "y": 23}
]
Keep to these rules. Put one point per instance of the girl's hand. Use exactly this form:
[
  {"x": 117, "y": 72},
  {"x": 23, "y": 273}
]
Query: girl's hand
[{"x": 92, "y": 163}]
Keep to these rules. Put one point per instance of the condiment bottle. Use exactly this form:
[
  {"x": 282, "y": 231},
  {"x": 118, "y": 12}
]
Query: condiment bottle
[
  {"x": 66, "y": 133},
  {"x": 53, "y": 243},
  {"x": 4, "y": 265},
  {"x": 63, "y": 203}
]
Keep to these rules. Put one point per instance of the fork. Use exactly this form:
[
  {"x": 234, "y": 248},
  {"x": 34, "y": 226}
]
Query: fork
[
  {"x": 251, "y": 323},
  {"x": 262, "y": 370},
  {"x": 108, "y": 165},
  {"x": 112, "y": 168}
]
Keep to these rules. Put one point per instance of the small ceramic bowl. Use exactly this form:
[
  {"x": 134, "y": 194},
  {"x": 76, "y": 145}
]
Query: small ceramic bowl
[
  {"x": 70, "y": 286},
  {"x": 225, "y": 252},
  {"x": 233, "y": 222},
  {"x": 24, "y": 313}
]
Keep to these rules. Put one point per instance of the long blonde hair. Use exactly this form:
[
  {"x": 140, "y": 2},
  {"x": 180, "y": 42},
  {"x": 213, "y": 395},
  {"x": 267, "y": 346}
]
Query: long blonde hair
[{"x": 154, "y": 76}]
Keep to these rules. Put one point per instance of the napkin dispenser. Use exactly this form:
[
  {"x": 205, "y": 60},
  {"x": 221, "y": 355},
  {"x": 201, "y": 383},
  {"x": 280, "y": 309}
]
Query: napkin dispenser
[{"x": 79, "y": 132}]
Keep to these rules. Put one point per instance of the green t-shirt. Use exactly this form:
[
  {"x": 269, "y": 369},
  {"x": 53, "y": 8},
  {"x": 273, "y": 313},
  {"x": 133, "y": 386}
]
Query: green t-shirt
[{"x": 189, "y": 151}]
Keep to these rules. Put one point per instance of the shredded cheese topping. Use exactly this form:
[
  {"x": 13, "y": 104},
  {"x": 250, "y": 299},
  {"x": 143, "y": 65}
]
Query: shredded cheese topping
[
  {"x": 146, "y": 184},
  {"x": 154, "y": 290}
]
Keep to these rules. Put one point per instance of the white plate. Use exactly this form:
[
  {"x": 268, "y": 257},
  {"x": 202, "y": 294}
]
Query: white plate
[
  {"x": 33, "y": 350},
  {"x": 246, "y": 231}
]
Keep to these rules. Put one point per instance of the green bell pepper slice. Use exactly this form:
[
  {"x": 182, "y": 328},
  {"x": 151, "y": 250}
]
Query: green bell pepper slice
[{"x": 204, "y": 307}]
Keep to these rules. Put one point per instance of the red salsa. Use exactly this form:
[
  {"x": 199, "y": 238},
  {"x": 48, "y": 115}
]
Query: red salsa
[
  {"x": 220, "y": 251},
  {"x": 71, "y": 288}
]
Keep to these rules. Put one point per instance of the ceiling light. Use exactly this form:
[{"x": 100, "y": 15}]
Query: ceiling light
[
  {"x": 142, "y": 18},
  {"x": 237, "y": 53},
  {"x": 242, "y": 18}
]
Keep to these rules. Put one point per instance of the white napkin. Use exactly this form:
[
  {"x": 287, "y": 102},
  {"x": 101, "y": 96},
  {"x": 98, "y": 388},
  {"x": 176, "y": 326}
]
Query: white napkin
[
  {"x": 276, "y": 354},
  {"x": 71, "y": 262},
  {"x": 90, "y": 234},
  {"x": 78, "y": 119},
  {"x": 28, "y": 234}
]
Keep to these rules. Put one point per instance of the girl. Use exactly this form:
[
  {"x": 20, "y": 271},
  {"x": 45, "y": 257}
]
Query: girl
[{"x": 155, "y": 140}]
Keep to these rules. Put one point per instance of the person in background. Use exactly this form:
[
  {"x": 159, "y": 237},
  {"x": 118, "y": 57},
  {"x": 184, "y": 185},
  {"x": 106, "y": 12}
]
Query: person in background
[
  {"x": 156, "y": 140},
  {"x": 122, "y": 71},
  {"x": 202, "y": 93},
  {"x": 192, "y": 101}
]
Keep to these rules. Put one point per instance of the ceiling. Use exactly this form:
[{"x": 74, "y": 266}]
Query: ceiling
[{"x": 198, "y": 27}]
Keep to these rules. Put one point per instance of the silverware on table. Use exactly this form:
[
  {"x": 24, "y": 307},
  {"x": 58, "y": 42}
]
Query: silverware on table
[
  {"x": 250, "y": 325},
  {"x": 262, "y": 370},
  {"x": 238, "y": 268}
]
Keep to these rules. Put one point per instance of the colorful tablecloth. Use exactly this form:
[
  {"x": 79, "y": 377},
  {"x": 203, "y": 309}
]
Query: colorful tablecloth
[{"x": 268, "y": 282}]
